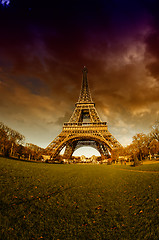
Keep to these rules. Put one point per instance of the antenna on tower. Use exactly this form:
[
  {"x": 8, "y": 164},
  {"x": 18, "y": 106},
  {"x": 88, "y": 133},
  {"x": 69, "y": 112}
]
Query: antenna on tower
[{"x": 85, "y": 95}]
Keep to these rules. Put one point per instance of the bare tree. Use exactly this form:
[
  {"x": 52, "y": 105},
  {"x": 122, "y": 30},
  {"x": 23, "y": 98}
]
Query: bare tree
[
  {"x": 155, "y": 131},
  {"x": 9, "y": 139}
]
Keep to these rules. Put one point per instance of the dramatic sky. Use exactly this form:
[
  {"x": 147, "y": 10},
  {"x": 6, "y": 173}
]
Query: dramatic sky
[{"x": 44, "y": 46}]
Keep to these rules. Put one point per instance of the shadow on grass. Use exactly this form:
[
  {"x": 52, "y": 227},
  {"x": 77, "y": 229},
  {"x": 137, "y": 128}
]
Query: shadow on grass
[
  {"x": 37, "y": 198},
  {"x": 30, "y": 161},
  {"x": 4, "y": 206},
  {"x": 21, "y": 160}
]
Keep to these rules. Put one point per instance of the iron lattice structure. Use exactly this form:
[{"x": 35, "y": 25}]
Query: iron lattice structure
[{"x": 84, "y": 128}]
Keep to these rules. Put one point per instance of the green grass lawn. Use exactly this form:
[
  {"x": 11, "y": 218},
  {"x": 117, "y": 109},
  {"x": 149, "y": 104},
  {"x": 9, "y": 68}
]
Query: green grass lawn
[
  {"x": 51, "y": 201},
  {"x": 146, "y": 167}
]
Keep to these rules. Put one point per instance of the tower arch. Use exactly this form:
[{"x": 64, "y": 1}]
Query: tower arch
[{"x": 87, "y": 151}]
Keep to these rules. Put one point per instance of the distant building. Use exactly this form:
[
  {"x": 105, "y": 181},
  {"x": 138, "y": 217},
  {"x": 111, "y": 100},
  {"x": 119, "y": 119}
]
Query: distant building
[
  {"x": 83, "y": 158},
  {"x": 45, "y": 158}
]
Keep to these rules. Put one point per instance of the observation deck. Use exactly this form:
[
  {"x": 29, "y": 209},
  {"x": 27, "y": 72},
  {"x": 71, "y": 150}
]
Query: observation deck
[
  {"x": 85, "y": 127},
  {"x": 83, "y": 124}
]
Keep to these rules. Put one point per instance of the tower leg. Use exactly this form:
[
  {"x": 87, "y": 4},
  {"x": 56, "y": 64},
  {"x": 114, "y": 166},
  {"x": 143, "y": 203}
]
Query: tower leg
[
  {"x": 70, "y": 147},
  {"x": 103, "y": 150}
]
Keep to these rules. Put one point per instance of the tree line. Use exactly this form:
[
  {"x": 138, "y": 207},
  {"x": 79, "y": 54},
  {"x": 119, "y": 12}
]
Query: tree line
[
  {"x": 12, "y": 144},
  {"x": 143, "y": 146}
]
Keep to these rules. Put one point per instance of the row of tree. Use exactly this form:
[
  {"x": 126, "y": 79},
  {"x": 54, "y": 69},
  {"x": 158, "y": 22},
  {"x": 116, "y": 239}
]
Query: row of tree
[
  {"x": 12, "y": 145},
  {"x": 143, "y": 146}
]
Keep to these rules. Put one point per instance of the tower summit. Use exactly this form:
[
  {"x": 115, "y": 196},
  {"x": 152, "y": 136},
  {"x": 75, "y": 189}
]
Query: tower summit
[
  {"x": 84, "y": 128},
  {"x": 85, "y": 95}
]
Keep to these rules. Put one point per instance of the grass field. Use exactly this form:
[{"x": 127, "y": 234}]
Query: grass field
[{"x": 47, "y": 201}]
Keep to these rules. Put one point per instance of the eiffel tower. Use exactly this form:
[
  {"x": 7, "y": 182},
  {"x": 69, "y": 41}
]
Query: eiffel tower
[{"x": 83, "y": 129}]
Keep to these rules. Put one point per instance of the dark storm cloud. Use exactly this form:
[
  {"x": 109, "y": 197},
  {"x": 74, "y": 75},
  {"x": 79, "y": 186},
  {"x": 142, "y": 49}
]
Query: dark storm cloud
[
  {"x": 152, "y": 40},
  {"x": 152, "y": 43},
  {"x": 43, "y": 47}
]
